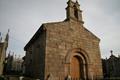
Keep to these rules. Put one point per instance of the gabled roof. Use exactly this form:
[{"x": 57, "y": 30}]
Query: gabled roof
[
  {"x": 35, "y": 36},
  {"x": 43, "y": 27}
]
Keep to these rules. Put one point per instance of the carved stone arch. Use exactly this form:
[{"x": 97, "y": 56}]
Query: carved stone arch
[
  {"x": 78, "y": 55},
  {"x": 81, "y": 55},
  {"x": 80, "y": 51}
]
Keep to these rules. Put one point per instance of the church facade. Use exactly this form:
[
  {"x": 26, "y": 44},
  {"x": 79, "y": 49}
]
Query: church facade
[
  {"x": 3, "y": 49},
  {"x": 62, "y": 49}
]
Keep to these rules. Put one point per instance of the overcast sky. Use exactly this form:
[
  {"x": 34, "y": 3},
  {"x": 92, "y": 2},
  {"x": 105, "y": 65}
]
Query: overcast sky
[{"x": 24, "y": 17}]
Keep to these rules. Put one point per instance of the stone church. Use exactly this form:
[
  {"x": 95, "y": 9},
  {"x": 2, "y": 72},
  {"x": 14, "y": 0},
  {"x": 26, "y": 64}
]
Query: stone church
[
  {"x": 61, "y": 49},
  {"x": 3, "y": 49}
]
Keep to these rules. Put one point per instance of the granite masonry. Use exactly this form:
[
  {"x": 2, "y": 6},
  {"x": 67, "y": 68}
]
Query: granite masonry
[{"x": 62, "y": 49}]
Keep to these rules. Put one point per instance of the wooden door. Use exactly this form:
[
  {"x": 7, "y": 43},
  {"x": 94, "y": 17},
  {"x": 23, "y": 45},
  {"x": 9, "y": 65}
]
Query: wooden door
[{"x": 75, "y": 68}]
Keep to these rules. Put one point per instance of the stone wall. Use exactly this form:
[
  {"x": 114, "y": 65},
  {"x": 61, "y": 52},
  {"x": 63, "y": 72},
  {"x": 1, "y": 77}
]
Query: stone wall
[
  {"x": 35, "y": 57},
  {"x": 39, "y": 56},
  {"x": 47, "y": 55},
  {"x": 64, "y": 36}
]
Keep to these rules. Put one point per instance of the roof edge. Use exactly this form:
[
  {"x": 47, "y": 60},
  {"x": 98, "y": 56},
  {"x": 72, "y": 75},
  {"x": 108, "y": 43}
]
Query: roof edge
[{"x": 35, "y": 36}]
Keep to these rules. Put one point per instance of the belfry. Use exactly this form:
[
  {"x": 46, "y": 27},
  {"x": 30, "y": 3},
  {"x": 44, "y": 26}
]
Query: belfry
[{"x": 73, "y": 11}]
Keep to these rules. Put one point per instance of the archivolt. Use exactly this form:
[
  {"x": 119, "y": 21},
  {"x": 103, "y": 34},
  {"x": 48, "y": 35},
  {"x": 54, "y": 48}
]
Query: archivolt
[{"x": 77, "y": 52}]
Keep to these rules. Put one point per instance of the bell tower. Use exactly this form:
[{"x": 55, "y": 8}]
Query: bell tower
[{"x": 73, "y": 11}]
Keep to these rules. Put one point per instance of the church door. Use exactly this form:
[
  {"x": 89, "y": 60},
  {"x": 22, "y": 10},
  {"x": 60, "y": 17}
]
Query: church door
[{"x": 76, "y": 68}]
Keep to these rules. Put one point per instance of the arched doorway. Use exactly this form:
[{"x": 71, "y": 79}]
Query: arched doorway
[
  {"x": 76, "y": 64},
  {"x": 76, "y": 68}
]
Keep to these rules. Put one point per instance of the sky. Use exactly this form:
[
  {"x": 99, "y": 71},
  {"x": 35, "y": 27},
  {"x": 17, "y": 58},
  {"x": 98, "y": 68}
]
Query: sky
[{"x": 24, "y": 17}]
